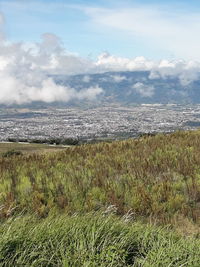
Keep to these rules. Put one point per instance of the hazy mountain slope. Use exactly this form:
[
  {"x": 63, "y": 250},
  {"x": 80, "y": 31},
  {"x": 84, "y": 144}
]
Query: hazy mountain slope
[
  {"x": 136, "y": 87},
  {"x": 125, "y": 88}
]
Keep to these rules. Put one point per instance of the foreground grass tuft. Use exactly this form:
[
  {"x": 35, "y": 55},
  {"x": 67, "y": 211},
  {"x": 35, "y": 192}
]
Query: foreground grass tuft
[{"x": 92, "y": 240}]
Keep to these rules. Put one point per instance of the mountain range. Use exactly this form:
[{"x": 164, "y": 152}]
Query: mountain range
[
  {"x": 124, "y": 88},
  {"x": 135, "y": 87}
]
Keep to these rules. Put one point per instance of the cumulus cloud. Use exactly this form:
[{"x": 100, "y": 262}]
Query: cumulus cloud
[
  {"x": 86, "y": 79},
  {"x": 25, "y": 72},
  {"x": 109, "y": 62},
  {"x": 143, "y": 89},
  {"x": 118, "y": 78},
  {"x": 185, "y": 71},
  {"x": 90, "y": 93}
]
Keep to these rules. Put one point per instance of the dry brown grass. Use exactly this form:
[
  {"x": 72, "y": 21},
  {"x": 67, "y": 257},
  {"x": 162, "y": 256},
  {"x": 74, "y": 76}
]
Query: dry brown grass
[{"x": 28, "y": 148}]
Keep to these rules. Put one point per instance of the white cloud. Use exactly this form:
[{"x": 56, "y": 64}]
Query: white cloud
[
  {"x": 158, "y": 26},
  {"x": 86, "y": 79},
  {"x": 118, "y": 78},
  {"x": 185, "y": 71},
  {"x": 113, "y": 63},
  {"x": 90, "y": 93},
  {"x": 143, "y": 89},
  {"x": 25, "y": 70}
]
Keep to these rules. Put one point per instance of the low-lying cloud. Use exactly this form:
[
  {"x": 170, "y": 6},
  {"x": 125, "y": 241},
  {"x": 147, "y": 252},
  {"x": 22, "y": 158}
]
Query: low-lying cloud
[
  {"x": 185, "y": 71},
  {"x": 118, "y": 78},
  {"x": 25, "y": 72},
  {"x": 143, "y": 89}
]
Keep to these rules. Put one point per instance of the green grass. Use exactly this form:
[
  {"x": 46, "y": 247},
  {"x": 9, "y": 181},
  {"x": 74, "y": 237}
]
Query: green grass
[
  {"x": 125, "y": 203},
  {"x": 158, "y": 178},
  {"x": 28, "y": 148},
  {"x": 93, "y": 240}
]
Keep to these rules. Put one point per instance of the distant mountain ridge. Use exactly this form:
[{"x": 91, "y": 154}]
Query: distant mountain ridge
[
  {"x": 136, "y": 87},
  {"x": 125, "y": 88}
]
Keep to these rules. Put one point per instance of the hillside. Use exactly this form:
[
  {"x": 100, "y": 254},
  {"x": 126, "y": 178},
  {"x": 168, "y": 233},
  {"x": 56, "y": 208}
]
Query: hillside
[
  {"x": 125, "y": 203},
  {"x": 122, "y": 87},
  {"x": 156, "y": 177},
  {"x": 136, "y": 87}
]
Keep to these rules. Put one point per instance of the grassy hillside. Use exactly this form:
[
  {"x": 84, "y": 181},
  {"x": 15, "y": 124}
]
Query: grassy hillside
[
  {"x": 101, "y": 204},
  {"x": 155, "y": 177}
]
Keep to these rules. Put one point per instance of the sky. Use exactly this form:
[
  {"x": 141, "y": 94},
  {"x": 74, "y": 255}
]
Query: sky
[
  {"x": 41, "y": 38},
  {"x": 150, "y": 28}
]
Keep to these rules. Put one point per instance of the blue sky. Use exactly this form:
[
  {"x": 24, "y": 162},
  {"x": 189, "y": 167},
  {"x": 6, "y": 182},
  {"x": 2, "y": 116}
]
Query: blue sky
[{"x": 153, "y": 29}]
